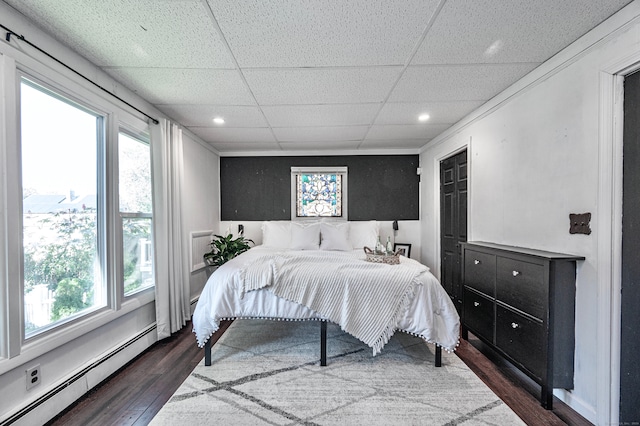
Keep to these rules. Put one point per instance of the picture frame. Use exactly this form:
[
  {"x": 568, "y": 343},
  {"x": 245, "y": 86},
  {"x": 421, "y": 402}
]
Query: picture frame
[{"x": 404, "y": 248}]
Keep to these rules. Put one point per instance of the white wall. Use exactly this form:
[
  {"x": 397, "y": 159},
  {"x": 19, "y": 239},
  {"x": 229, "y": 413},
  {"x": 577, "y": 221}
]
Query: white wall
[
  {"x": 200, "y": 196},
  {"x": 535, "y": 155}
]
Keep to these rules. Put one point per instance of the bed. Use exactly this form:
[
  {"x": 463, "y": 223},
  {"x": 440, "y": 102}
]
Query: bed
[{"x": 318, "y": 271}]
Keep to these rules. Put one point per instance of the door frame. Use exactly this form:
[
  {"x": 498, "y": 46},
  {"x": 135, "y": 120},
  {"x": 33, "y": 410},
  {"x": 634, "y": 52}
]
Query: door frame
[
  {"x": 609, "y": 275},
  {"x": 440, "y": 156}
]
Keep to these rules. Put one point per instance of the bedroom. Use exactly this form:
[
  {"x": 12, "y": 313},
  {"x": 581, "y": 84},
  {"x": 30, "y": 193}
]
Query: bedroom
[{"x": 554, "y": 129}]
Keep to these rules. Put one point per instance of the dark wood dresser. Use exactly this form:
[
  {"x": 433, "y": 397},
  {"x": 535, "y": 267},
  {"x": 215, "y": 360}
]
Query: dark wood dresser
[{"x": 521, "y": 302}]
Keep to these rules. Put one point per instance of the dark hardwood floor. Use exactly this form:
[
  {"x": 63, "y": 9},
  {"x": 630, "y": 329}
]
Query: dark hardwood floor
[{"x": 136, "y": 393}]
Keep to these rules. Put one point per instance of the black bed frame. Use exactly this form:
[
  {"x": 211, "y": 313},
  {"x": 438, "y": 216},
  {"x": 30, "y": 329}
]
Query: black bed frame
[{"x": 323, "y": 348}]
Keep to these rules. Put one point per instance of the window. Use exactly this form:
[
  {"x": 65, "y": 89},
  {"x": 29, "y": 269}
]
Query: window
[
  {"x": 62, "y": 143},
  {"x": 318, "y": 192},
  {"x": 134, "y": 159},
  {"x": 81, "y": 253}
]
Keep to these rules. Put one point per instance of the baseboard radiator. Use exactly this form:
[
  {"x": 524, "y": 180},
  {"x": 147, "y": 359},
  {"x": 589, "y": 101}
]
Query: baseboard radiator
[{"x": 20, "y": 415}]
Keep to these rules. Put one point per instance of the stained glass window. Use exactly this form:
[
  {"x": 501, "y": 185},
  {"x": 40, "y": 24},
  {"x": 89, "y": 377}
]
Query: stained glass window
[
  {"x": 319, "y": 192},
  {"x": 319, "y": 195}
]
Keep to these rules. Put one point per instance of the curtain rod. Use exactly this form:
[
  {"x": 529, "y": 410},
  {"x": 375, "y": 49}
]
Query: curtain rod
[{"x": 21, "y": 37}]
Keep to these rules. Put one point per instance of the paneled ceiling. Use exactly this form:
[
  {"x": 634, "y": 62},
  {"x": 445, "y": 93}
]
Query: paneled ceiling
[{"x": 296, "y": 75}]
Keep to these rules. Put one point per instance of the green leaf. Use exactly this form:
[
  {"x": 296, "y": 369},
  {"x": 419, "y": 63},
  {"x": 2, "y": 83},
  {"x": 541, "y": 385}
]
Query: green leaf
[{"x": 225, "y": 248}]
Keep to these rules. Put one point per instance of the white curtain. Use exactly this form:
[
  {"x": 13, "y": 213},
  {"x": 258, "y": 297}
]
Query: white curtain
[{"x": 172, "y": 285}]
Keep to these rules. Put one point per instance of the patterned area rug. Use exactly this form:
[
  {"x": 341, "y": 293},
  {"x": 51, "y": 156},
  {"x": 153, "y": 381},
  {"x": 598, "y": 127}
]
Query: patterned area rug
[{"x": 268, "y": 373}]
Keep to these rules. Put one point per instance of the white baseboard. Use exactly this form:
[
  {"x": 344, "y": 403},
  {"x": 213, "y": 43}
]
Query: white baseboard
[{"x": 577, "y": 404}]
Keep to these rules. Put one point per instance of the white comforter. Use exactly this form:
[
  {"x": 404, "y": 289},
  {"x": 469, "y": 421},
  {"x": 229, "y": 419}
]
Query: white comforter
[{"x": 426, "y": 311}]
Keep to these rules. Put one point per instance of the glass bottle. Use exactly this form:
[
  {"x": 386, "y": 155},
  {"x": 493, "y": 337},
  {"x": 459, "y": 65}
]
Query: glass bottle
[
  {"x": 389, "y": 246},
  {"x": 379, "y": 247}
]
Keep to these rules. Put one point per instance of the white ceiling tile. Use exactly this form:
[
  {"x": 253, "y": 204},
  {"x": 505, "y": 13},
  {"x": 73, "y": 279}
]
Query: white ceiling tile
[
  {"x": 412, "y": 131},
  {"x": 484, "y": 31},
  {"x": 238, "y": 134},
  {"x": 457, "y": 82},
  {"x": 439, "y": 112},
  {"x": 141, "y": 33},
  {"x": 321, "y": 85},
  {"x": 185, "y": 86},
  {"x": 319, "y": 145},
  {"x": 393, "y": 143},
  {"x": 320, "y": 115},
  {"x": 293, "y": 33},
  {"x": 325, "y": 133},
  {"x": 203, "y": 115}
]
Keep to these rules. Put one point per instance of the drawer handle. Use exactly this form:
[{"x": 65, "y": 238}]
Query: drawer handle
[
  {"x": 476, "y": 262},
  {"x": 476, "y": 304},
  {"x": 515, "y": 273},
  {"x": 514, "y": 325}
]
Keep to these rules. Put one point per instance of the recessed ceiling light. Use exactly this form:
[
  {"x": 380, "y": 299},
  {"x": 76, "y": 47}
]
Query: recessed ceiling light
[
  {"x": 495, "y": 47},
  {"x": 423, "y": 117},
  {"x": 218, "y": 120}
]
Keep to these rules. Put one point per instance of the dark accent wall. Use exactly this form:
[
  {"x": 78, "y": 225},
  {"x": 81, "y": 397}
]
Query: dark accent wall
[{"x": 380, "y": 187}]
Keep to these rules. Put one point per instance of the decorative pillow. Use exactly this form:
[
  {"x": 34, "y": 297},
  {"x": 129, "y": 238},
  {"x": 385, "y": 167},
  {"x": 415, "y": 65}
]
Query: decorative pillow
[
  {"x": 305, "y": 236},
  {"x": 363, "y": 233},
  {"x": 335, "y": 236},
  {"x": 276, "y": 234}
]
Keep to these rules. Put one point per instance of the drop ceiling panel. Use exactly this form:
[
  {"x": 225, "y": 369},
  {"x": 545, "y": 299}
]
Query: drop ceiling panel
[
  {"x": 321, "y": 85},
  {"x": 225, "y": 134},
  {"x": 292, "y": 33},
  {"x": 414, "y": 131},
  {"x": 439, "y": 112},
  {"x": 203, "y": 115},
  {"x": 483, "y": 31},
  {"x": 185, "y": 86},
  {"x": 325, "y": 133},
  {"x": 140, "y": 33},
  {"x": 320, "y": 115},
  {"x": 457, "y": 82}
]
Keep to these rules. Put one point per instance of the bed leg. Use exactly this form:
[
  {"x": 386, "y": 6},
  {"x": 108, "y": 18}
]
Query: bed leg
[
  {"x": 323, "y": 343},
  {"x": 207, "y": 353},
  {"x": 438, "y": 355}
]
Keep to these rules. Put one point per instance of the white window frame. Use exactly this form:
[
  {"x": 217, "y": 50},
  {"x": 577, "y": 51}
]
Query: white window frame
[
  {"x": 101, "y": 207},
  {"x": 142, "y": 137}
]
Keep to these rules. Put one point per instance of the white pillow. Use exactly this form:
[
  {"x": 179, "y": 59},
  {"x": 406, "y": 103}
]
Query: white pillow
[
  {"x": 305, "y": 236},
  {"x": 363, "y": 233},
  {"x": 335, "y": 236},
  {"x": 276, "y": 234}
]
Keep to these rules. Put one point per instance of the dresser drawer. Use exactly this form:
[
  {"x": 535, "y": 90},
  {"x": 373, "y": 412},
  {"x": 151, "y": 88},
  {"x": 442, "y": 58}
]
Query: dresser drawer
[
  {"x": 522, "y": 285},
  {"x": 478, "y": 314},
  {"x": 480, "y": 271},
  {"x": 522, "y": 339}
]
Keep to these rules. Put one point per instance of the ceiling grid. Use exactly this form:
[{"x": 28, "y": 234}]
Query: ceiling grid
[{"x": 317, "y": 75}]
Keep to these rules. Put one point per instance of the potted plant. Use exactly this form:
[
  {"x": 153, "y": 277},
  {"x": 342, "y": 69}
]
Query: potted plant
[{"x": 226, "y": 248}]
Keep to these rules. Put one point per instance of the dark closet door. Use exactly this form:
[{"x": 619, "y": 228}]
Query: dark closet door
[
  {"x": 630, "y": 309},
  {"x": 453, "y": 223}
]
